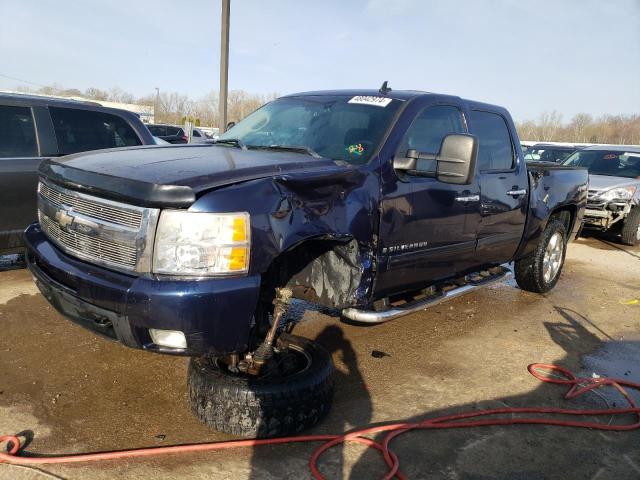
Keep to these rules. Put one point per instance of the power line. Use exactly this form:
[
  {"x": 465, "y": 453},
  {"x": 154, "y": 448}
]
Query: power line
[{"x": 22, "y": 80}]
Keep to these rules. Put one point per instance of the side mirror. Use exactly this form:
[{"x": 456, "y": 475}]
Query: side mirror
[{"x": 457, "y": 159}]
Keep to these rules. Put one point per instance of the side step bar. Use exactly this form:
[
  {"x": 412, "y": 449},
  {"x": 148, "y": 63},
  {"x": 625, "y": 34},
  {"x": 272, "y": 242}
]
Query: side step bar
[{"x": 474, "y": 282}]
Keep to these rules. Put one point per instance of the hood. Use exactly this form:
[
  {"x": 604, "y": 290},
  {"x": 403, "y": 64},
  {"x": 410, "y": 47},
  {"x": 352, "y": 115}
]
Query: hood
[
  {"x": 172, "y": 176},
  {"x": 601, "y": 183}
]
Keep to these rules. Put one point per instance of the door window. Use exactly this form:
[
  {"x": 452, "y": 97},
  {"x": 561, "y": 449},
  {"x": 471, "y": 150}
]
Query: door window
[
  {"x": 17, "y": 132},
  {"x": 495, "y": 149},
  {"x": 428, "y": 130},
  {"x": 82, "y": 130},
  {"x": 196, "y": 133}
]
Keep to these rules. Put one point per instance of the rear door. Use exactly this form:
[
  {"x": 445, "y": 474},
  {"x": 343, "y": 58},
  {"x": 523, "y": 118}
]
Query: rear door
[
  {"x": 19, "y": 160},
  {"x": 503, "y": 187},
  {"x": 427, "y": 228}
]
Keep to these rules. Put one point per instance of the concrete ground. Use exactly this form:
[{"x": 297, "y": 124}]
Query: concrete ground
[{"x": 65, "y": 390}]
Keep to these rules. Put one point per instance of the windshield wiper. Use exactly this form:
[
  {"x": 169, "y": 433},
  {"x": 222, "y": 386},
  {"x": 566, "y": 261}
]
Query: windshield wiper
[
  {"x": 232, "y": 141},
  {"x": 287, "y": 148}
]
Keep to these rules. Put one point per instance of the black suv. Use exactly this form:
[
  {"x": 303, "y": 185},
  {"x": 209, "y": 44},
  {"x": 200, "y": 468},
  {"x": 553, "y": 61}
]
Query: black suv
[
  {"x": 169, "y": 133},
  {"x": 33, "y": 128}
]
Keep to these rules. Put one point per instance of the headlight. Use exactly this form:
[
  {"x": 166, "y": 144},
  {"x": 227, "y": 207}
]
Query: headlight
[
  {"x": 200, "y": 244},
  {"x": 622, "y": 193}
]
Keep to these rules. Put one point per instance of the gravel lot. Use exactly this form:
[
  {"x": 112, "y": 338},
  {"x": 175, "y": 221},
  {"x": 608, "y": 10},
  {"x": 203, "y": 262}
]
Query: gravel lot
[{"x": 66, "y": 390}]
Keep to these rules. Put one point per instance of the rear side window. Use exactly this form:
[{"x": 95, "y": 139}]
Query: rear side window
[
  {"x": 429, "y": 129},
  {"x": 173, "y": 130},
  {"x": 495, "y": 150},
  {"x": 82, "y": 130},
  {"x": 17, "y": 132},
  {"x": 196, "y": 133}
]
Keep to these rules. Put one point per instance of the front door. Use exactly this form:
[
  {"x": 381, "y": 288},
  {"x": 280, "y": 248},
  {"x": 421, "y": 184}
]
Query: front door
[{"x": 427, "y": 228}]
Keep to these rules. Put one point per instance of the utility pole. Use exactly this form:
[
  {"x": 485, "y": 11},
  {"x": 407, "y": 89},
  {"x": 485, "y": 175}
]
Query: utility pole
[
  {"x": 155, "y": 107},
  {"x": 224, "y": 64}
]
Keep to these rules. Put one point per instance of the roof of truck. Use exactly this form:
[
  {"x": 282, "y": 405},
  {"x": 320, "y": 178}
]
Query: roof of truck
[{"x": 402, "y": 95}]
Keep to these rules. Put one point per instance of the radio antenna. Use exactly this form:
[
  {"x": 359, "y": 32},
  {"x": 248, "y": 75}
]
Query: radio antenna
[{"x": 384, "y": 89}]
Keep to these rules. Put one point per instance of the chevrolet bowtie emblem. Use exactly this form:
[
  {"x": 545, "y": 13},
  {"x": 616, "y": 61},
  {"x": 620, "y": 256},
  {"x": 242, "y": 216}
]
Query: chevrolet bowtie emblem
[{"x": 64, "y": 219}]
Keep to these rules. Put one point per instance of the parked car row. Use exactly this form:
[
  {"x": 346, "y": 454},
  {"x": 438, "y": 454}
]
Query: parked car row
[
  {"x": 614, "y": 189},
  {"x": 614, "y": 183},
  {"x": 550, "y": 152},
  {"x": 176, "y": 135}
]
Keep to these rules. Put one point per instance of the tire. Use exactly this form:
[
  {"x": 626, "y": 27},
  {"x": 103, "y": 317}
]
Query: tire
[
  {"x": 530, "y": 270},
  {"x": 631, "y": 228},
  {"x": 260, "y": 408}
]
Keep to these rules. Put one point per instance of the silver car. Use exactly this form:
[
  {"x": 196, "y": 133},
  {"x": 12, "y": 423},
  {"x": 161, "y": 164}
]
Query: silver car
[
  {"x": 614, "y": 188},
  {"x": 198, "y": 136}
]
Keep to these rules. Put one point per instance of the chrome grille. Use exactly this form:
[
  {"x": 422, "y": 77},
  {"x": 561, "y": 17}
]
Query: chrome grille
[
  {"x": 78, "y": 243},
  {"x": 94, "y": 209},
  {"x": 113, "y": 234}
]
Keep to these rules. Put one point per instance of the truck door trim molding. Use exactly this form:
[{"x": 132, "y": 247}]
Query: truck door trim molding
[
  {"x": 404, "y": 258},
  {"x": 497, "y": 238}
]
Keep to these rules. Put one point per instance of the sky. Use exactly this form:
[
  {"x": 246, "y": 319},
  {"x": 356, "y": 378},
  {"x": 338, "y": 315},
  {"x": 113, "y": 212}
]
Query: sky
[{"x": 530, "y": 56}]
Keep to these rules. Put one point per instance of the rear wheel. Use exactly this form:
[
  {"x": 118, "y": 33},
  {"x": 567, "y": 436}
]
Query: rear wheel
[
  {"x": 539, "y": 271},
  {"x": 293, "y": 394},
  {"x": 631, "y": 228}
]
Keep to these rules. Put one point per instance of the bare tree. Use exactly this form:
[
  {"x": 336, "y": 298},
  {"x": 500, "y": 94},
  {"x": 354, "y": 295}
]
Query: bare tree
[
  {"x": 578, "y": 126},
  {"x": 549, "y": 123},
  {"x": 583, "y": 128}
]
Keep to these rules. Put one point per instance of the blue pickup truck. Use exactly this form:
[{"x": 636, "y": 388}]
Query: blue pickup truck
[{"x": 376, "y": 203}]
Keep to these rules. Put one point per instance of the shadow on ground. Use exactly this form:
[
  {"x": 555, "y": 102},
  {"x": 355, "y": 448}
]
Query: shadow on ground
[{"x": 531, "y": 452}]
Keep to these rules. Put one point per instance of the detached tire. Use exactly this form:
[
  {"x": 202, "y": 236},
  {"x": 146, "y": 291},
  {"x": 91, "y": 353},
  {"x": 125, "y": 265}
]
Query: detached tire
[
  {"x": 263, "y": 407},
  {"x": 631, "y": 228},
  {"x": 540, "y": 270}
]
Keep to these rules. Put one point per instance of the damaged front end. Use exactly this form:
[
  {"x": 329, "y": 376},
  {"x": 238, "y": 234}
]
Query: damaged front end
[
  {"x": 603, "y": 213},
  {"x": 313, "y": 233}
]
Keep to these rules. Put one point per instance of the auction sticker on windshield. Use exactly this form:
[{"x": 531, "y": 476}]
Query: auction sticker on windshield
[{"x": 370, "y": 100}]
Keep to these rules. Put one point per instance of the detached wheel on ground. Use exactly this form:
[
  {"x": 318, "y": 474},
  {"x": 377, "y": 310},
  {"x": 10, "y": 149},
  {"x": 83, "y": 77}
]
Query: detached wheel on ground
[
  {"x": 289, "y": 398},
  {"x": 539, "y": 271},
  {"x": 631, "y": 228}
]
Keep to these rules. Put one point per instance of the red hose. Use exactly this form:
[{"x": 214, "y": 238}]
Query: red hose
[{"x": 545, "y": 373}]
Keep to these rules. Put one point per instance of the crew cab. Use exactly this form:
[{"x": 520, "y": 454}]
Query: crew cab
[
  {"x": 34, "y": 127},
  {"x": 374, "y": 202},
  {"x": 613, "y": 203}
]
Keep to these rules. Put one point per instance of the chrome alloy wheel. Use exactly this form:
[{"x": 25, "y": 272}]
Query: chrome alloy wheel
[{"x": 553, "y": 257}]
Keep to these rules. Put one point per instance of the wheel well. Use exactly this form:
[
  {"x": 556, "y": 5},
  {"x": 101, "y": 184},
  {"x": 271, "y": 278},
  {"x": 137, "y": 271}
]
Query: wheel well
[
  {"x": 566, "y": 215},
  {"x": 325, "y": 271}
]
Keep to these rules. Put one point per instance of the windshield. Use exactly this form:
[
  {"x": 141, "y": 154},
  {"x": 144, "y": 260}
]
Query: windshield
[
  {"x": 555, "y": 155},
  {"x": 607, "y": 162},
  {"x": 336, "y": 127}
]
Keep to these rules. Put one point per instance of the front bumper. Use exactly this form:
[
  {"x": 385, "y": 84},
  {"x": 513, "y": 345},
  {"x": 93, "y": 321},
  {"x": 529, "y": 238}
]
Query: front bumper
[
  {"x": 214, "y": 314},
  {"x": 605, "y": 216}
]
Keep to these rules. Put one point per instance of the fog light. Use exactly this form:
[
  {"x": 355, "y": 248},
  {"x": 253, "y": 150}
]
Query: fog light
[{"x": 168, "y": 338}]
